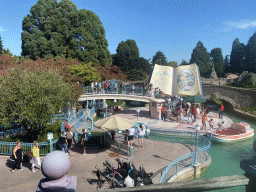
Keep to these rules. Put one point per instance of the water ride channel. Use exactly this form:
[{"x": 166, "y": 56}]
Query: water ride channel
[{"x": 226, "y": 157}]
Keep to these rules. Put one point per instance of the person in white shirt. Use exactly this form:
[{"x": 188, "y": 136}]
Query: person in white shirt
[
  {"x": 92, "y": 85},
  {"x": 140, "y": 135},
  {"x": 131, "y": 132}
]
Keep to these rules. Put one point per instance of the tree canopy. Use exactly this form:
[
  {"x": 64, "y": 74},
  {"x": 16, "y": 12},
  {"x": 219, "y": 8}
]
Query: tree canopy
[
  {"x": 201, "y": 57},
  {"x": 159, "y": 58},
  {"x": 217, "y": 61},
  {"x": 1, "y": 46},
  {"x": 32, "y": 94},
  {"x": 250, "y": 55},
  {"x": 237, "y": 57},
  {"x": 59, "y": 28}
]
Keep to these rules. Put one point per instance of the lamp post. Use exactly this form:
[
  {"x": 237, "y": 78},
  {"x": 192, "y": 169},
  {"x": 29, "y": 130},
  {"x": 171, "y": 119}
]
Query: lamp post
[
  {"x": 181, "y": 99},
  {"x": 196, "y": 156},
  {"x": 86, "y": 103},
  {"x": 106, "y": 110},
  {"x": 138, "y": 111}
]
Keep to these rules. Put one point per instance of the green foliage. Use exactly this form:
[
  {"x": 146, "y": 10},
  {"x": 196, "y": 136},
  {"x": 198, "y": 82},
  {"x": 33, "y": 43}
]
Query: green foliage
[
  {"x": 86, "y": 71},
  {"x": 134, "y": 50},
  {"x": 112, "y": 103},
  {"x": 250, "y": 54},
  {"x": 172, "y": 64},
  {"x": 201, "y": 57},
  {"x": 237, "y": 57},
  {"x": 217, "y": 59},
  {"x": 127, "y": 58},
  {"x": 251, "y": 109},
  {"x": 7, "y": 52},
  {"x": 184, "y": 62},
  {"x": 217, "y": 101},
  {"x": 59, "y": 28},
  {"x": 226, "y": 64},
  {"x": 159, "y": 58},
  {"x": 1, "y": 46},
  {"x": 32, "y": 95}
]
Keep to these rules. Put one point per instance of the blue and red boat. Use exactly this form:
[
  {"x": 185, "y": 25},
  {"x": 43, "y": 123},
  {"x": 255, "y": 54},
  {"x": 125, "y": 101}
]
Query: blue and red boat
[{"x": 237, "y": 131}]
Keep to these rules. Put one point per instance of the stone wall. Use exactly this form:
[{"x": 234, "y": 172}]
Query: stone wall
[{"x": 238, "y": 97}]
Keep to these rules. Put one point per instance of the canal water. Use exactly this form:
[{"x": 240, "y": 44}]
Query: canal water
[{"x": 226, "y": 157}]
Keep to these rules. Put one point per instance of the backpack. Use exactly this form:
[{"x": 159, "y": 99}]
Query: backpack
[{"x": 69, "y": 135}]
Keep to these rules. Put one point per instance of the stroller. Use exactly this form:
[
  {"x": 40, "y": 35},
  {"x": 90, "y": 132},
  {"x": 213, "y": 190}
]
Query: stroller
[{"x": 125, "y": 175}]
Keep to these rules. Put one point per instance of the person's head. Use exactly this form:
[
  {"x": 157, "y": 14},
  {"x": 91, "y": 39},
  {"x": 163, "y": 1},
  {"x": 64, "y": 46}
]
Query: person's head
[
  {"x": 222, "y": 122},
  {"x": 18, "y": 143},
  {"x": 35, "y": 143},
  {"x": 211, "y": 119},
  {"x": 83, "y": 130},
  {"x": 140, "y": 126},
  {"x": 63, "y": 132},
  {"x": 66, "y": 121}
]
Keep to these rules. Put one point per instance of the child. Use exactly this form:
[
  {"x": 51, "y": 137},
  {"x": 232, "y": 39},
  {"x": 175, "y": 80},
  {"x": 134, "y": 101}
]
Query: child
[
  {"x": 189, "y": 117},
  {"x": 204, "y": 118},
  {"x": 211, "y": 124},
  {"x": 220, "y": 125},
  {"x": 35, "y": 155}
]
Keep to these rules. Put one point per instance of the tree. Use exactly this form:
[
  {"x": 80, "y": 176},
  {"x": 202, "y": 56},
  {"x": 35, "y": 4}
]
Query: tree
[
  {"x": 1, "y": 46},
  {"x": 159, "y": 58},
  {"x": 133, "y": 48},
  {"x": 172, "y": 64},
  {"x": 7, "y": 52},
  {"x": 184, "y": 62},
  {"x": 59, "y": 28},
  {"x": 217, "y": 60},
  {"x": 226, "y": 64},
  {"x": 86, "y": 71},
  {"x": 109, "y": 71},
  {"x": 237, "y": 57},
  {"x": 33, "y": 96},
  {"x": 250, "y": 56},
  {"x": 201, "y": 57}
]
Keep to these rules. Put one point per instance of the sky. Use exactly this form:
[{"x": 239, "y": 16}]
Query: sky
[{"x": 173, "y": 26}]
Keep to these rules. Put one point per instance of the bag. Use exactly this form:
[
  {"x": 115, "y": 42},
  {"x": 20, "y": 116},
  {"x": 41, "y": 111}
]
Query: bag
[
  {"x": 30, "y": 154},
  {"x": 69, "y": 135}
]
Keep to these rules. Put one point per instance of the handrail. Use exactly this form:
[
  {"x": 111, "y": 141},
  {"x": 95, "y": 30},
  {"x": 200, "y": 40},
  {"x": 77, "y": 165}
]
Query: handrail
[
  {"x": 204, "y": 146},
  {"x": 175, "y": 162}
]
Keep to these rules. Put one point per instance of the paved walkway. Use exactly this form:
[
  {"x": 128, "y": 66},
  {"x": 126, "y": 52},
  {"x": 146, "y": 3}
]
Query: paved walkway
[{"x": 155, "y": 156}]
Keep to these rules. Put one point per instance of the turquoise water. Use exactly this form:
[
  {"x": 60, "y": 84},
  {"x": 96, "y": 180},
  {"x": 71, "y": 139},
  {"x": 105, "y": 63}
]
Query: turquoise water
[{"x": 226, "y": 157}]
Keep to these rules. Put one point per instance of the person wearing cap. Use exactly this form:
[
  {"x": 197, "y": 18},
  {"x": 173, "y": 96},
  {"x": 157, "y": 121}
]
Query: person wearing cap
[
  {"x": 84, "y": 140},
  {"x": 67, "y": 126}
]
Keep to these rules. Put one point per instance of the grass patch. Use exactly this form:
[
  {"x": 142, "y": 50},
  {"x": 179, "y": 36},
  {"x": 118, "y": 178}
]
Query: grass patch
[{"x": 251, "y": 109}]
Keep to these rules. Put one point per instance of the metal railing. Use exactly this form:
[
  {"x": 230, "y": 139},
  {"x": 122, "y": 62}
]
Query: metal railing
[
  {"x": 6, "y": 148},
  {"x": 92, "y": 111},
  {"x": 185, "y": 161}
]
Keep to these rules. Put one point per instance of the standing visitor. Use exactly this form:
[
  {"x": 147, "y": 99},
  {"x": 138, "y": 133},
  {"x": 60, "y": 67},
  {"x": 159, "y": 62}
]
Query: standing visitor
[
  {"x": 18, "y": 156},
  {"x": 92, "y": 85},
  {"x": 35, "y": 156},
  {"x": 144, "y": 89},
  {"x": 220, "y": 124},
  {"x": 194, "y": 112},
  {"x": 69, "y": 137},
  {"x": 198, "y": 110},
  {"x": 163, "y": 113},
  {"x": 221, "y": 111},
  {"x": 131, "y": 132},
  {"x": 140, "y": 135},
  {"x": 121, "y": 88},
  {"x": 133, "y": 88},
  {"x": 95, "y": 86},
  {"x": 67, "y": 126},
  {"x": 63, "y": 142},
  {"x": 157, "y": 92},
  {"x": 84, "y": 140},
  {"x": 204, "y": 118},
  {"x": 99, "y": 88},
  {"x": 106, "y": 87},
  {"x": 211, "y": 124},
  {"x": 189, "y": 117}
]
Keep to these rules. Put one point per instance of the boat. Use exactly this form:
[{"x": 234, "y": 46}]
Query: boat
[{"x": 236, "y": 132}]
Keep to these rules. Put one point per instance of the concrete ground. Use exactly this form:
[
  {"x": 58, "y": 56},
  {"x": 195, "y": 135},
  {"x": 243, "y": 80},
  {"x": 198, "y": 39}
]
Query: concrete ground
[{"x": 155, "y": 156}]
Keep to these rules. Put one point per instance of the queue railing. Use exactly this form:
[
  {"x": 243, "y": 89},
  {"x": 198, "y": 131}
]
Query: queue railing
[{"x": 185, "y": 161}]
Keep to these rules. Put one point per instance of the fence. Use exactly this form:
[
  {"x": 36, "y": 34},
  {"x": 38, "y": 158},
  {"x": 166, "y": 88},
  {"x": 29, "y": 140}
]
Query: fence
[
  {"x": 6, "y": 148},
  {"x": 185, "y": 161}
]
